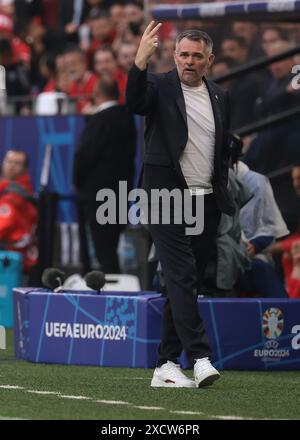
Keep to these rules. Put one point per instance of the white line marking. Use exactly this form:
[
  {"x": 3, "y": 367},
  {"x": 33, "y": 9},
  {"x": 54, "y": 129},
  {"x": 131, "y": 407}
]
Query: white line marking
[
  {"x": 113, "y": 402},
  {"x": 120, "y": 402},
  {"x": 12, "y": 387},
  {"x": 54, "y": 393},
  {"x": 64, "y": 396},
  {"x": 188, "y": 412},
  {"x": 11, "y": 418}
]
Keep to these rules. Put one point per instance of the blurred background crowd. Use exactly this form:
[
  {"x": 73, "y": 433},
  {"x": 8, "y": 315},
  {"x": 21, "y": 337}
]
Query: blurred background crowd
[{"x": 68, "y": 46}]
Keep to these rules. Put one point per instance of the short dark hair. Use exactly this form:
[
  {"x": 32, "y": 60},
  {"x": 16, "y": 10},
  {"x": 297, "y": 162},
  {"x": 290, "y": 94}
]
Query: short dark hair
[
  {"x": 195, "y": 35},
  {"x": 97, "y": 14},
  {"x": 134, "y": 3},
  {"x": 239, "y": 40},
  {"x": 230, "y": 63},
  {"x": 72, "y": 48},
  {"x": 106, "y": 48},
  {"x": 282, "y": 33},
  {"x": 108, "y": 88}
]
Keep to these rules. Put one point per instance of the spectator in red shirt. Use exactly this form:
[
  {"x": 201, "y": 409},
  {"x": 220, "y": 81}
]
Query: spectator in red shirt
[
  {"x": 18, "y": 213},
  {"x": 102, "y": 31},
  {"x": 106, "y": 65},
  {"x": 21, "y": 51},
  {"x": 290, "y": 248},
  {"x": 83, "y": 80}
]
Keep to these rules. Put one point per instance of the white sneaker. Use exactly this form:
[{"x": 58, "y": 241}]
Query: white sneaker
[
  {"x": 205, "y": 374},
  {"x": 170, "y": 375}
]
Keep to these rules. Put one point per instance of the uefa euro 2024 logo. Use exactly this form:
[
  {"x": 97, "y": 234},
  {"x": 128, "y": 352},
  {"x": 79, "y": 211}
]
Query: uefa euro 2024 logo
[{"x": 273, "y": 323}]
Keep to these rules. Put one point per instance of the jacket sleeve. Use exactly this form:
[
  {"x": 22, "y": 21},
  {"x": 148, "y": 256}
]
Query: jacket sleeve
[{"x": 141, "y": 91}]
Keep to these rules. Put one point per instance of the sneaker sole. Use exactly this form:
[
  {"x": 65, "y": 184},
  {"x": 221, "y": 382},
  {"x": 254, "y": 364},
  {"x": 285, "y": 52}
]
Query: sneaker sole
[
  {"x": 207, "y": 381},
  {"x": 156, "y": 383}
]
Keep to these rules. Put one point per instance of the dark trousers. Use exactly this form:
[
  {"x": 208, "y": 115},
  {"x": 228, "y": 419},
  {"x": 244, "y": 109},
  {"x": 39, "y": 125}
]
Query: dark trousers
[
  {"x": 183, "y": 259},
  {"x": 105, "y": 239}
]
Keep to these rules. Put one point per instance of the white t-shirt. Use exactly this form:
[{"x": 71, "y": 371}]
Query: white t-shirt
[{"x": 197, "y": 160}]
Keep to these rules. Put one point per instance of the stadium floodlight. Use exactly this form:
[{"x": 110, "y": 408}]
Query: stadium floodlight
[{"x": 2, "y": 338}]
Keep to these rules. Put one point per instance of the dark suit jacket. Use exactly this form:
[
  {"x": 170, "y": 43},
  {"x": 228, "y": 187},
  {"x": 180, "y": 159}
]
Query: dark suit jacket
[
  {"x": 105, "y": 152},
  {"x": 159, "y": 97}
]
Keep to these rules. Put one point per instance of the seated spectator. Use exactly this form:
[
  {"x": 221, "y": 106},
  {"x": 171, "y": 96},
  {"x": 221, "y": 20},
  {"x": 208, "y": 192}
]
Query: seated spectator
[
  {"x": 249, "y": 31},
  {"x": 21, "y": 51},
  {"x": 289, "y": 248},
  {"x": 244, "y": 260},
  {"x": 277, "y": 146},
  {"x": 134, "y": 16},
  {"x": 106, "y": 66},
  {"x": 102, "y": 32},
  {"x": 83, "y": 81},
  {"x": 242, "y": 111},
  {"x": 262, "y": 224},
  {"x": 271, "y": 35},
  {"x": 126, "y": 56},
  {"x": 17, "y": 77},
  {"x": 167, "y": 48},
  {"x": 231, "y": 254},
  {"x": 235, "y": 48},
  {"x": 18, "y": 213}
]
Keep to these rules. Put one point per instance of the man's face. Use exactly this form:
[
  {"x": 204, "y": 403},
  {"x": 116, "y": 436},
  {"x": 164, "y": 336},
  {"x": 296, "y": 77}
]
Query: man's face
[
  {"x": 244, "y": 30},
  {"x": 133, "y": 14},
  {"x": 269, "y": 37},
  {"x": 100, "y": 28},
  {"x": 126, "y": 56},
  {"x": 192, "y": 60},
  {"x": 105, "y": 64},
  {"x": 13, "y": 165},
  {"x": 231, "y": 49},
  {"x": 74, "y": 66},
  {"x": 296, "y": 179},
  {"x": 117, "y": 14},
  {"x": 167, "y": 49}
]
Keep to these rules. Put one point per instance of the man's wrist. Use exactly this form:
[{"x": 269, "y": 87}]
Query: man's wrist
[{"x": 141, "y": 64}]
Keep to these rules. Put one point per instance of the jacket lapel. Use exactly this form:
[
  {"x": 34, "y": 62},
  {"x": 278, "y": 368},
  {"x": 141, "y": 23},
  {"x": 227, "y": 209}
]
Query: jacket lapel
[{"x": 174, "y": 82}]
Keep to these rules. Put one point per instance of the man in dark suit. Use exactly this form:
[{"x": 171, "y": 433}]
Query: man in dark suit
[
  {"x": 186, "y": 137},
  {"x": 104, "y": 157}
]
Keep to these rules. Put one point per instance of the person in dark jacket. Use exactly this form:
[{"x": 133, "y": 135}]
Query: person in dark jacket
[
  {"x": 105, "y": 156},
  {"x": 187, "y": 149}
]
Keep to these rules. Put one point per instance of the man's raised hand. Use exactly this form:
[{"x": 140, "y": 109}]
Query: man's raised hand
[{"x": 148, "y": 45}]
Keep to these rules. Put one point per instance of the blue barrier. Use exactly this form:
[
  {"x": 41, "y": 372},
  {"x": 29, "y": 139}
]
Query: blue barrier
[
  {"x": 288, "y": 10},
  {"x": 123, "y": 329},
  {"x": 11, "y": 269}
]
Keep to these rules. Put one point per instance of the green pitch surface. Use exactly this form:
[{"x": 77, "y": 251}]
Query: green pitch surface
[{"x": 38, "y": 391}]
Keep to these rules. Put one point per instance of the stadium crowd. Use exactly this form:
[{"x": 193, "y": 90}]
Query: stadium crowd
[{"x": 65, "y": 49}]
